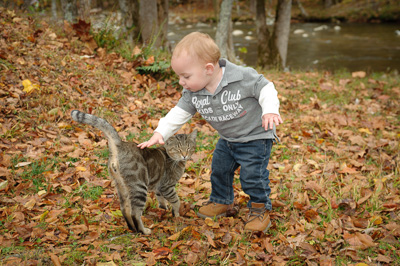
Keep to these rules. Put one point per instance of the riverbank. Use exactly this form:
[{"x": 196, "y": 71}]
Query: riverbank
[{"x": 360, "y": 11}]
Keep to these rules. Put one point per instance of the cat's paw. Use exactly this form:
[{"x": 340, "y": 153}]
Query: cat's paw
[
  {"x": 161, "y": 206},
  {"x": 146, "y": 231}
]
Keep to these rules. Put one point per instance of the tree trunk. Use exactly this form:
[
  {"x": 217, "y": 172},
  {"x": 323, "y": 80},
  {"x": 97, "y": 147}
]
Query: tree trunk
[
  {"x": 84, "y": 7},
  {"x": 162, "y": 8},
  {"x": 223, "y": 37},
  {"x": 215, "y": 7},
  {"x": 70, "y": 11},
  {"x": 262, "y": 34},
  {"x": 280, "y": 38},
  {"x": 100, "y": 4},
  {"x": 328, "y": 3},
  {"x": 130, "y": 18},
  {"x": 148, "y": 21},
  {"x": 55, "y": 7},
  {"x": 253, "y": 6},
  {"x": 302, "y": 10}
]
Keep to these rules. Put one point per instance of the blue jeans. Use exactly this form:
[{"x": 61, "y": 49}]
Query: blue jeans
[{"x": 253, "y": 158}]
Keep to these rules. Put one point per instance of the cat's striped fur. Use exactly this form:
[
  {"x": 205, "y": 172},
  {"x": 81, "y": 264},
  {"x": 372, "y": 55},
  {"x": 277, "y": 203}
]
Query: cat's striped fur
[{"x": 137, "y": 171}]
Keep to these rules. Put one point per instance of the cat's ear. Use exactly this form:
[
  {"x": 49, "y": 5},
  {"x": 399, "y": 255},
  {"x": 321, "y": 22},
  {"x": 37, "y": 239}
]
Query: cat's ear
[{"x": 193, "y": 135}]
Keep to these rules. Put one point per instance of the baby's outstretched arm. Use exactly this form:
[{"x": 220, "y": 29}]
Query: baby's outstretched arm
[
  {"x": 157, "y": 138},
  {"x": 268, "y": 121}
]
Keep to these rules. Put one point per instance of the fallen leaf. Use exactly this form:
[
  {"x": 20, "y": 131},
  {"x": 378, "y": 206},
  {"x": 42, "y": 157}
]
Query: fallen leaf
[
  {"x": 359, "y": 74},
  {"x": 3, "y": 185},
  {"x": 29, "y": 87},
  {"x": 22, "y": 164},
  {"x": 55, "y": 259}
]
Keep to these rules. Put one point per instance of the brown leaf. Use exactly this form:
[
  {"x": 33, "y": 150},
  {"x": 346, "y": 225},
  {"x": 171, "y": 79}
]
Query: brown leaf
[
  {"x": 359, "y": 74},
  {"x": 298, "y": 205},
  {"x": 55, "y": 259},
  {"x": 359, "y": 241},
  {"x": 149, "y": 61},
  {"x": 191, "y": 258},
  {"x": 240, "y": 259},
  {"x": 394, "y": 228},
  {"x": 162, "y": 252},
  {"x": 82, "y": 28},
  {"x": 269, "y": 247},
  {"x": 364, "y": 199},
  {"x": 151, "y": 260},
  {"x": 308, "y": 247},
  {"x": 227, "y": 238},
  {"x": 313, "y": 186},
  {"x": 312, "y": 215},
  {"x": 382, "y": 258},
  {"x": 360, "y": 222}
]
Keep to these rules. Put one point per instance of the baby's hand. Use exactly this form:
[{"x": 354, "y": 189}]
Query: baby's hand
[
  {"x": 157, "y": 138},
  {"x": 268, "y": 121}
]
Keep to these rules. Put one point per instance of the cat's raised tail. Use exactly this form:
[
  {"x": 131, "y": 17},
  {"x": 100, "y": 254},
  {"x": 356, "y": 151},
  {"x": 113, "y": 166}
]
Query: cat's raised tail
[{"x": 99, "y": 123}]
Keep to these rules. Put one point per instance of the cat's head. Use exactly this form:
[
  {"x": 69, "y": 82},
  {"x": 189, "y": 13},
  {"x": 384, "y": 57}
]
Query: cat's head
[{"x": 180, "y": 147}]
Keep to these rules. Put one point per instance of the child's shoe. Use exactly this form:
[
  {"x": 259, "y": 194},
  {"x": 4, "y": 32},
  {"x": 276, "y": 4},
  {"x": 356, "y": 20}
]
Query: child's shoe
[
  {"x": 258, "y": 218},
  {"x": 212, "y": 209}
]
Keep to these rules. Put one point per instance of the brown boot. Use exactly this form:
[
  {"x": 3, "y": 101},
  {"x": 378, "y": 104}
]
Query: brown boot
[
  {"x": 212, "y": 209},
  {"x": 258, "y": 218}
]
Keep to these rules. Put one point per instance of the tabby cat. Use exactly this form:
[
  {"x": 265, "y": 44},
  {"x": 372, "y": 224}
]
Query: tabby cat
[{"x": 137, "y": 171}]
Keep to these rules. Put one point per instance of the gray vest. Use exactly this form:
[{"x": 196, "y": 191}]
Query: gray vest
[{"x": 233, "y": 110}]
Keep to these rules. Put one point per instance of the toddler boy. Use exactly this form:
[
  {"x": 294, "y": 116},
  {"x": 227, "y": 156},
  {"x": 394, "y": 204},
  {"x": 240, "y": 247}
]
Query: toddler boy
[{"x": 243, "y": 107}]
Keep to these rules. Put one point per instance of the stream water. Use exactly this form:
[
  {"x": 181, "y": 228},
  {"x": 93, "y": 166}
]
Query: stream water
[{"x": 312, "y": 46}]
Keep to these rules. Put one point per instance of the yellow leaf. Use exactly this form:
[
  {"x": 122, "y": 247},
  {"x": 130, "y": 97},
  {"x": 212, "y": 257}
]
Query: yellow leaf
[
  {"x": 365, "y": 130},
  {"x": 30, "y": 204},
  {"x": 40, "y": 193},
  {"x": 209, "y": 221},
  {"x": 376, "y": 220},
  {"x": 3, "y": 185},
  {"x": 174, "y": 236},
  {"x": 26, "y": 83},
  {"x": 43, "y": 215},
  {"x": 80, "y": 169},
  {"x": 64, "y": 125},
  {"x": 314, "y": 163},
  {"x": 28, "y": 86},
  {"x": 53, "y": 111},
  {"x": 297, "y": 167},
  {"x": 117, "y": 213}
]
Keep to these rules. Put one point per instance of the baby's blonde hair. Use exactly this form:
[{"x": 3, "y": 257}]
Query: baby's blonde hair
[{"x": 199, "y": 45}]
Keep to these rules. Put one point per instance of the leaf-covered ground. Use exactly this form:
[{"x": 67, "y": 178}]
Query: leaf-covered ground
[{"x": 334, "y": 176}]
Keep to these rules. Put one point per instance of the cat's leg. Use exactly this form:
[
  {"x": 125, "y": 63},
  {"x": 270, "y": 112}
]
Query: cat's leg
[
  {"x": 126, "y": 212},
  {"x": 132, "y": 208},
  {"x": 169, "y": 193},
  {"x": 138, "y": 202},
  {"x": 128, "y": 219},
  {"x": 125, "y": 206},
  {"x": 162, "y": 202},
  {"x": 137, "y": 219}
]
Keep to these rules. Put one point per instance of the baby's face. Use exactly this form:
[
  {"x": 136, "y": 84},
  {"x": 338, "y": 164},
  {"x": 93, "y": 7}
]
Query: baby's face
[{"x": 191, "y": 72}]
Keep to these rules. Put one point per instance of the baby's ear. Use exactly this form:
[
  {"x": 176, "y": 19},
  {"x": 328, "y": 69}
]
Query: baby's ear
[{"x": 209, "y": 68}]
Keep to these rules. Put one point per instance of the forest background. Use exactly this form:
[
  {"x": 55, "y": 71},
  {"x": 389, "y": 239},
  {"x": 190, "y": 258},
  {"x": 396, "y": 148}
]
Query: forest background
[{"x": 334, "y": 175}]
